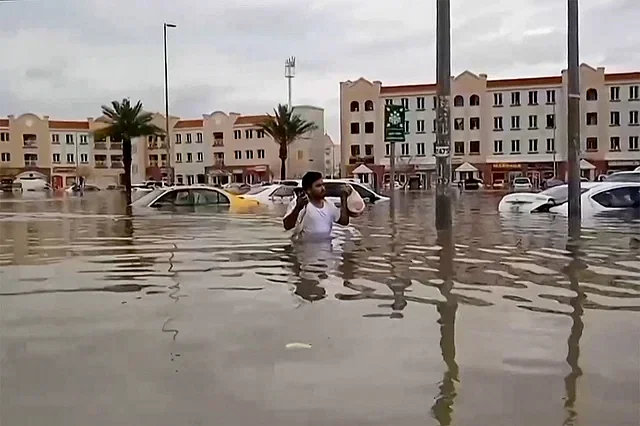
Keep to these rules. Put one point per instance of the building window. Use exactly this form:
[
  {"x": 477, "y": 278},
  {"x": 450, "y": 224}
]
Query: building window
[
  {"x": 458, "y": 101},
  {"x": 55, "y": 138},
  {"x": 368, "y": 127},
  {"x": 497, "y": 147},
  {"x": 515, "y": 98},
  {"x": 355, "y": 150},
  {"x": 248, "y": 134},
  {"x": 188, "y": 138},
  {"x": 614, "y": 143},
  {"x": 533, "y": 146},
  {"x": 260, "y": 134},
  {"x": 355, "y": 128},
  {"x": 435, "y": 125},
  {"x": 633, "y": 93},
  {"x": 83, "y": 139},
  {"x": 551, "y": 121},
  {"x": 633, "y": 118},
  {"x": 497, "y": 99},
  {"x": 388, "y": 101},
  {"x": 615, "y": 118},
  {"x": 300, "y": 154},
  {"x": 178, "y": 138},
  {"x": 515, "y": 146},
  {"x": 407, "y": 129},
  {"x": 497, "y": 123},
  {"x": 387, "y": 149},
  {"x": 237, "y": 155},
  {"x": 592, "y": 95},
  {"x": 4, "y": 137},
  {"x": 474, "y": 100},
  {"x": 551, "y": 96},
  {"x": 189, "y": 157},
  {"x": 592, "y": 144},
  {"x": 249, "y": 154},
  {"x": 515, "y": 122},
  {"x": 633, "y": 143},
  {"x": 404, "y": 149},
  {"x": 199, "y": 137},
  {"x": 237, "y": 134},
  {"x": 84, "y": 158},
  {"x": 420, "y": 126},
  {"x": 70, "y": 159},
  {"x": 178, "y": 157},
  {"x": 533, "y": 122},
  {"x": 551, "y": 145},
  {"x": 458, "y": 124},
  {"x": 420, "y": 104},
  {"x": 199, "y": 157},
  {"x": 56, "y": 158},
  {"x": 355, "y": 106},
  {"x": 420, "y": 149},
  {"x": 533, "y": 97},
  {"x": 368, "y": 106},
  {"x": 458, "y": 148},
  {"x": 69, "y": 139},
  {"x": 592, "y": 119},
  {"x": 261, "y": 153},
  {"x": 405, "y": 103},
  {"x": 474, "y": 123},
  {"x": 368, "y": 150},
  {"x": 614, "y": 93},
  {"x": 474, "y": 147},
  {"x": 435, "y": 103},
  {"x": 5, "y": 157}
]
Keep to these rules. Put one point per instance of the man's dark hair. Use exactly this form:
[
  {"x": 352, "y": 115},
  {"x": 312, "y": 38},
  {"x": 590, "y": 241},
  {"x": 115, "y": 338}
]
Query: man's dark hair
[{"x": 309, "y": 179}]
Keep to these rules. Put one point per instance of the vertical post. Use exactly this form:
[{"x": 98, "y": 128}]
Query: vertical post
[
  {"x": 443, "y": 124},
  {"x": 289, "y": 74},
  {"x": 555, "y": 124},
  {"x": 392, "y": 168},
  {"x": 573, "y": 120},
  {"x": 167, "y": 139}
]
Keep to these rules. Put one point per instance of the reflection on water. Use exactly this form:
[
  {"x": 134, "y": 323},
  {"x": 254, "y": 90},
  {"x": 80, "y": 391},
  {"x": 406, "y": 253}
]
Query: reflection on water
[{"x": 97, "y": 305}]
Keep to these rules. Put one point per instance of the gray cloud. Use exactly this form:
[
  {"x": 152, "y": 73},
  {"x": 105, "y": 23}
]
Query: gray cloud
[{"x": 70, "y": 56}]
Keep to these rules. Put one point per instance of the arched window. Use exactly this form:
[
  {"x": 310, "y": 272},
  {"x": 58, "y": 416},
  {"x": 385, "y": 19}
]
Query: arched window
[
  {"x": 458, "y": 101},
  {"x": 592, "y": 95},
  {"x": 355, "y": 106},
  {"x": 474, "y": 100},
  {"x": 368, "y": 106}
]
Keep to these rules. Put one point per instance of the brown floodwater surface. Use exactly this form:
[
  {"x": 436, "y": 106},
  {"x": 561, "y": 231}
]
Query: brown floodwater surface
[{"x": 202, "y": 317}]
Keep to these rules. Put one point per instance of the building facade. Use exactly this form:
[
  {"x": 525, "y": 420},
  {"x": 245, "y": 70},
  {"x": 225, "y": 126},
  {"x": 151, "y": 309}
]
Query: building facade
[
  {"x": 217, "y": 148},
  {"x": 500, "y": 129}
]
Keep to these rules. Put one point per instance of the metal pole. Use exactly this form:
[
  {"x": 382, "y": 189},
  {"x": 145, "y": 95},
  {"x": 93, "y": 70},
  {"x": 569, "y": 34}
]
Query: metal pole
[
  {"x": 573, "y": 120},
  {"x": 392, "y": 169},
  {"x": 167, "y": 139},
  {"x": 555, "y": 164},
  {"x": 289, "y": 92},
  {"x": 443, "y": 138}
]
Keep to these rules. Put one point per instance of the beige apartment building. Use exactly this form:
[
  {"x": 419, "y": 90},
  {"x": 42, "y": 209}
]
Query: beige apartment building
[
  {"x": 500, "y": 129},
  {"x": 216, "y": 148}
]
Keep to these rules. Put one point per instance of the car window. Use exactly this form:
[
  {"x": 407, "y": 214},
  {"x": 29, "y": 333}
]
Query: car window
[
  {"x": 148, "y": 197},
  {"x": 623, "y": 197},
  {"x": 257, "y": 190},
  {"x": 283, "y": 191},
  {"x": 364, "y": 192},
  {"x": 203, "y": 197},
  {"x": 623, "y": 177},
  {"x": 521, "y": 180}
]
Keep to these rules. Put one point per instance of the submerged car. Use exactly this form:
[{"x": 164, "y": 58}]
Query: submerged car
[
  {"x": 633, "y": 176},
  {"x": 596, "y": 197},
  {"x": 193, "y": 196},
  {"x": 284, "y": 193},
  {"x": 522, "y": 184}
]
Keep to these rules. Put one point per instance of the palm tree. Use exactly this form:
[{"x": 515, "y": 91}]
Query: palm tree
[
  {"x": 285, "y": 127},
  {"x": 126, "y": 122}
]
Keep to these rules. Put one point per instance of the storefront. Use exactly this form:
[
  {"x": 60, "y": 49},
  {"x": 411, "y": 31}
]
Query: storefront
[
  {"x": 536, "y": 172},
  {"x": 622, "y": 166},
  {"x": 63, "y": 177}
]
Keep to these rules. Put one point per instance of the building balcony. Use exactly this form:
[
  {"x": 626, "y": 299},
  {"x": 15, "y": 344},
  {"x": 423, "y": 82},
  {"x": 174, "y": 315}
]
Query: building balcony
[
  {"x": 30, "y": 145},
  {"x": 218, "y": 164},
  {"x": 116, "y": 146},
  {"x": 101, "y": 165},
  {"x": 31, "y": 163},
  {"x": 218, "y": 142},
  {"x": 117, "y": 165},
  {"x": 153, "y": 145},
  {"x": 153, "y": 164},
  {"x": 100, "y": 145}
]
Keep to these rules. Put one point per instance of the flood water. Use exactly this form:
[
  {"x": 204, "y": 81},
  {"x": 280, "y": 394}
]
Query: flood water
[{"x": 210, "y": 318}]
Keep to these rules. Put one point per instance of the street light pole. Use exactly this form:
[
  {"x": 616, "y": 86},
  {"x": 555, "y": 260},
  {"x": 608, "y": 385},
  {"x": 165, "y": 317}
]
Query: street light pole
[
  {"x": 555, "y": 121},
  {"x": 443, "y": 136},
  {"x": 166, "y": 104},
  {"x": 573, "y": 119}
]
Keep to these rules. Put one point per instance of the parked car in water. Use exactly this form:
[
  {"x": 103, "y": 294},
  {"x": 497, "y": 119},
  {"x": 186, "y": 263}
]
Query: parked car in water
[
  {"x": 522, "y": 184},
  {"x": 472, "y": 184},
  {"x": 193, "y": 196},
  {"x": 633, "y": 176},
  {"x": 75, "y": 188},
  {"x": 498, "y": 184}
]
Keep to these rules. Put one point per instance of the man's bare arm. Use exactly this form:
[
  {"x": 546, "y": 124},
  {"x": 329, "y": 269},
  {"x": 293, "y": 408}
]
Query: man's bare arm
[{"x": 290, "y": 220}]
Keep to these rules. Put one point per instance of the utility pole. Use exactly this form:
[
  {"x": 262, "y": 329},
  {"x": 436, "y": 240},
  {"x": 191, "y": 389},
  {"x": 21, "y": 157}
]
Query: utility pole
[
  {"x": 573, "y": 120},
  {"x": 289, "y": 74},
  {"x": 166, "y": 104},
  {"x": 443, "y": 123}
]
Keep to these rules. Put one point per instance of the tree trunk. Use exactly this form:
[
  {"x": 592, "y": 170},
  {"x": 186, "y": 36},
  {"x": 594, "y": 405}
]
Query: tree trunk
[
  {"x": 283, "y": 161},
  {"x": 126, "y": 161}
]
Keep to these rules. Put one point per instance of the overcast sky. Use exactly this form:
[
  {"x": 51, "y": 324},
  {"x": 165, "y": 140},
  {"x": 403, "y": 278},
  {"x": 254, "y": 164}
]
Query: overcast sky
[{"x": 65, "y": 58}]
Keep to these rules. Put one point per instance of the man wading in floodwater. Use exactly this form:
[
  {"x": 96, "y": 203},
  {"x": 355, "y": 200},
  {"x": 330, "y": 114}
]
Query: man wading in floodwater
[{"x": 311, "y": 214}]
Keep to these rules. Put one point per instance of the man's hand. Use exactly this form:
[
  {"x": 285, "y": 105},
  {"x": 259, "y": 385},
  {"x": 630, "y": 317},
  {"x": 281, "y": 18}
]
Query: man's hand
[
  {"x": 346, "y": 191},
  {"x": 301, "y": 201}
]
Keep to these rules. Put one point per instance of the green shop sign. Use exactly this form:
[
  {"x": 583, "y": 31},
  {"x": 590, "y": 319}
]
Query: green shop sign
[{"x": 394, "y": 123}]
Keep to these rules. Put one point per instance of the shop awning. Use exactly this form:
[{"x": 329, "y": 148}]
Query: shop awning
[
  {"x": 362, "y": 170},
  {"x": 466, "y": 167},
  {"x": 585, "y": 165}
]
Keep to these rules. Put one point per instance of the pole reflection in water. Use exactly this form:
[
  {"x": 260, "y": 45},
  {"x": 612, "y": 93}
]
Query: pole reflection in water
[
  {"x": 573, "y": 342},
  {"x": 442, "y": 408},
  {"x": 398, "y": 284}
]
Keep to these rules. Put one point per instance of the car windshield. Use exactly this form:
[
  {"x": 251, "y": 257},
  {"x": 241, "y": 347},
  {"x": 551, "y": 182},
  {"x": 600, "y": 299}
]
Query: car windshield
[
  {"x": 148, "y": 197},
  {"x": 560, "y": 194},
  {"x": 521, "y": 180},
  {"x": 623, "y": 177},
  {"x": 257, "y": 190}
]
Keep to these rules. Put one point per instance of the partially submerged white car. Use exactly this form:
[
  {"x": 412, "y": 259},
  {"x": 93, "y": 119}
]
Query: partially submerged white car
[
  {"x": 285, "y": 192},
  {"x": 596, "y": 198}
]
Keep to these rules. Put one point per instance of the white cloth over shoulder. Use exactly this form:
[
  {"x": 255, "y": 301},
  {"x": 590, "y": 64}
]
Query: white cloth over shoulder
[{"x": 314, "y": 222}]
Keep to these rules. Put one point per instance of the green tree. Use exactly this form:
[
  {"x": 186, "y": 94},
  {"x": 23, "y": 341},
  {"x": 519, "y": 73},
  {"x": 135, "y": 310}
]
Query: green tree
[
  {"x": 124, "y": 123},
  {"x": 285, "y": 127}
]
